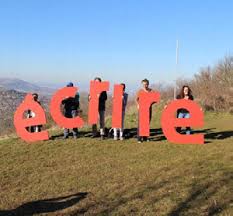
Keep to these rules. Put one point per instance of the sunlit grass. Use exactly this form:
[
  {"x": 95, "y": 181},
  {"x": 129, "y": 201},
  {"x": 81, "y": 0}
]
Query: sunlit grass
[{"x": 122, "y": 178}]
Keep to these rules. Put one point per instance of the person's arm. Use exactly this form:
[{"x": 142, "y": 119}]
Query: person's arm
[
  {"x": 125, "y": 100},
  {"x": 63, "y": 102},
  {"x": 105, "y": 96},
  {"x": 151, "y": 90},
  {"x": 77, "y": 100},
  {"x": 137, "y": 99}
]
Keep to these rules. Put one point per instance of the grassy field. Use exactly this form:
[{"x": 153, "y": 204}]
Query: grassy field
[{"x": 87, "y": 176}]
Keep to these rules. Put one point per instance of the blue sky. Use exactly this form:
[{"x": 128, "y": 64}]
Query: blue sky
[{"x": 119, "y": 40}]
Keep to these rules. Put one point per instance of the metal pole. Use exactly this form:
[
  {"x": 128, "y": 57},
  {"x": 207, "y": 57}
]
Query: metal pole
[{"x": 176, "y": 73}]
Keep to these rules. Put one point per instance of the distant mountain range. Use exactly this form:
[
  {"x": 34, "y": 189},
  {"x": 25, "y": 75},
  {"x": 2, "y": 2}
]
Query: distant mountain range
[
  {"x": 24, "y": 86},
  {"x": 47, "y": 89}
]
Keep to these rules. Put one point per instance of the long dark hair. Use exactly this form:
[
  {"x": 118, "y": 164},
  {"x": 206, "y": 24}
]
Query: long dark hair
[{"x": 182, "y": 91}]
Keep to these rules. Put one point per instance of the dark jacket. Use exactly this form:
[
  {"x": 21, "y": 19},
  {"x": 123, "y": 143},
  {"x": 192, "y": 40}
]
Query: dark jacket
[{"x": 71, "y": 104}]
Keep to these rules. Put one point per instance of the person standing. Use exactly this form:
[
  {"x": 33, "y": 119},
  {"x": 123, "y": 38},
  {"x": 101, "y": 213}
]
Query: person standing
[
  {"x": 101, "y": 109},
  {"x": 145, "y": 88},
  {"x": 185, "y": 93},
  {"x": 71, "y": 107},
  {"x": 31, "y": 114}
]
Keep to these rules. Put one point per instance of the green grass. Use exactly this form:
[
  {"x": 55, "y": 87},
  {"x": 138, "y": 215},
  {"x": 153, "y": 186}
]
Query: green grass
[{"x": 120, "y": 178}]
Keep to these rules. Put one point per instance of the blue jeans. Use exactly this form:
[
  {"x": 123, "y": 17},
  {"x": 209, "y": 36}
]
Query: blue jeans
[{"x": 184, "y": 115}]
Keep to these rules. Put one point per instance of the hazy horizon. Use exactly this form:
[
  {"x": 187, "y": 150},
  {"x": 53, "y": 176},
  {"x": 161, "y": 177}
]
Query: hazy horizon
[{"x": 120, "y": 41}]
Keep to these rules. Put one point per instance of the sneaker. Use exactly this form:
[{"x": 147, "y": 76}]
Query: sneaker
[
  {"x": 115, "y": 138},
  {"x": 139, "y": 141},
  {"x": 75, "y": 137},
  {"x": 102, "y": 137},
  {"x": 121, "y": 138},
  {"x": 65, "y": 137}
]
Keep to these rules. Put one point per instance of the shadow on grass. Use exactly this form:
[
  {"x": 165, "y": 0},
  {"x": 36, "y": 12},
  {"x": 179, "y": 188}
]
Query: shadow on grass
[
  {"x": 219, "y": 135},
  {"x": 203, "y": 196},
  {"x": 212, "y": 135},
  {"x": 45, "y": 206},
  {"x": 132, "y": 132},
  {"x": 156, "y": 134},
  {"x": 80, "y": 134},
  {"x": 107, "y": 205},
  {"x": 209, "y": 134}
]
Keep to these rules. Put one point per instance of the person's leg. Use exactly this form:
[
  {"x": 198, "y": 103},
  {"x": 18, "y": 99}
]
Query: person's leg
[
  {"x": 32, "y": 129},
  {"x": 36, "y": 129},
  {"x": 75, "y": 130},
  {"x": 188, "y": 129},
  {"x": 121, "y": 134},
  {"x": 102, "y": 122},
  {"x": 115, "y": 133},
  {"x": 66, "y": 133},
  {"x": 66, "y": 130},
  {"x": 180, "y": 115},
  {"x": 39, "y": 128},
  {"x": 122, "y": 126}
]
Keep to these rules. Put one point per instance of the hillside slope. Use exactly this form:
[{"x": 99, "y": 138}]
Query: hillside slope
[
  {"x": 87, "y": 176},
  {"x": 9, "y": 101}
]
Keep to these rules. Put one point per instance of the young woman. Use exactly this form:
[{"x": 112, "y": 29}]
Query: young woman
[
  {"x": 124, "y": 103},
  {"x": 185, "y": 93}
]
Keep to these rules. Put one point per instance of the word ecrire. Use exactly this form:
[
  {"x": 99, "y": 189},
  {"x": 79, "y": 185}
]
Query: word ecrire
[{"x": 168, "y": 120}]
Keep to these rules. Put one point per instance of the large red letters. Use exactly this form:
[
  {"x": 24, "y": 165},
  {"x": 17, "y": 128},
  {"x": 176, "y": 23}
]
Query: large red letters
[{"x": 168, "y": 121}]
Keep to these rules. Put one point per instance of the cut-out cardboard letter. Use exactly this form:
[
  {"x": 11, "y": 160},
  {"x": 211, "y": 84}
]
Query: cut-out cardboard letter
[
  {"x": 96, "y": 88},
  {"x": 169, "y": 122},
  {"x": 117, "y": 106},
  {"x": 21, "y": 123},
  {"x": 146, "y": 99},
  {"x": 55, "y": 109}
]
